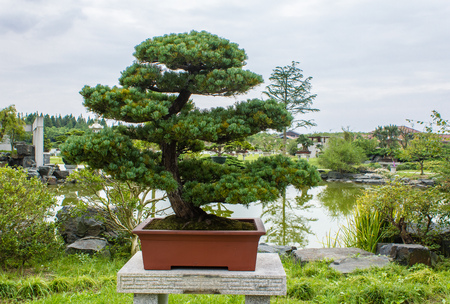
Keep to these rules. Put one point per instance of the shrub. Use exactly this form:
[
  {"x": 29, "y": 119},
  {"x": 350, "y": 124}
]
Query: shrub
[
  {"x": 25, "y": 205},
  {"x": 410, "y": 212},
  {"x": 407, "y": 166},
  {"x": 340, "y": 155}
]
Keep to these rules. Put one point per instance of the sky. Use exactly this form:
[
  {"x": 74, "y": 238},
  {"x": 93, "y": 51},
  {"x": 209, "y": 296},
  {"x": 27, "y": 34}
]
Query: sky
[{"x": 373, "y": 63}]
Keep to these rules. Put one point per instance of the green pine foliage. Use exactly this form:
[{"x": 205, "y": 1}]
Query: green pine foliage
[{"x": 154, "y": 101}]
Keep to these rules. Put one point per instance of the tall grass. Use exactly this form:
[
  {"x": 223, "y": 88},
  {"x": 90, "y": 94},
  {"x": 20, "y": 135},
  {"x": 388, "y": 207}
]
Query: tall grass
[{"x": 364, "y": 229}]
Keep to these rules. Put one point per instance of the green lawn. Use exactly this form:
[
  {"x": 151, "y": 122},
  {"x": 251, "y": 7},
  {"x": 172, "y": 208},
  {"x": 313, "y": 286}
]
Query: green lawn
[
  {"x": 57, "y": 160},
  {"x": 83, "y": 279}
]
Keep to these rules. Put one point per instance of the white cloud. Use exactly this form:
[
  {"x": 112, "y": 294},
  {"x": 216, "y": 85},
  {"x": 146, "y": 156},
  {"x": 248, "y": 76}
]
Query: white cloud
[{"x": 371, "y": 61}]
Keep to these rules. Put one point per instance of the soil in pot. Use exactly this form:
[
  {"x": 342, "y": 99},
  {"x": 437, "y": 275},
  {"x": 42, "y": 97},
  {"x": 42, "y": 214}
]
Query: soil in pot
[{"x": 209, "y": 222}]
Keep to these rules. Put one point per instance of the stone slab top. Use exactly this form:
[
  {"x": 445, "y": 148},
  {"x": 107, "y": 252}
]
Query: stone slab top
[
  {"x": 335, "y": 254},
  {"x": 269, "y": 278},
  {"x": 348, "y": 265}
]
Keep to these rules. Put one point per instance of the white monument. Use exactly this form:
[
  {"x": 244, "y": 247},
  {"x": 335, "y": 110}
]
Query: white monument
[{"x": 38, "y": 140}]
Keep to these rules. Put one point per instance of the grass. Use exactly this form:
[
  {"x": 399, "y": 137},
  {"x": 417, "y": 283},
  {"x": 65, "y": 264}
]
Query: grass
[
  {"x": 83, "y": 279},
  {"x": 57, "y": 160}
]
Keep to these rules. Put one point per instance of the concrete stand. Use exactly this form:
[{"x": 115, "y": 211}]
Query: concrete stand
[{"x": 154, "y": 286}]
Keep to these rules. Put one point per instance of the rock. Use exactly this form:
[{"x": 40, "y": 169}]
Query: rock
[
  {"x": 31, "y": 172},
  {"x": 24, "y": 149},
  {"x": 28, "y": 162},
  {"x": 445, "y": 245},
  {"x": 90, "y": 226},
  {"x": 427, "y": 182},
  {"x": 46, "y": 170},
  {"x": 406, "y": 254},
  {"x": 89, "y": 245},
  {"x": 335, "y": 254},
  {"x": 373, "y": 176},
  {"x": 61, "y": 174},
  {"x": 348, "y": 265},
  {"x": 266, "y": 248},
  {"x": 74, "y": 226},
  {"x": 50, "y": 180},
  {"x": 334, "y": 175},
  {"x": 375, "y": 181}
]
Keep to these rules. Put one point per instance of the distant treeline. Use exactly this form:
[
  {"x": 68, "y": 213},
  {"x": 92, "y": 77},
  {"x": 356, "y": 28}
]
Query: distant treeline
[
  {"x": 68, "y": 121},
  {"x": 58, "y": 128}
]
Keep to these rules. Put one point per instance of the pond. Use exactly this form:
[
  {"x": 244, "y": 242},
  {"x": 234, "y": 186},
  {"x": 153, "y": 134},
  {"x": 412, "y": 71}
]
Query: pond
[{"x": 303, "y": 218}]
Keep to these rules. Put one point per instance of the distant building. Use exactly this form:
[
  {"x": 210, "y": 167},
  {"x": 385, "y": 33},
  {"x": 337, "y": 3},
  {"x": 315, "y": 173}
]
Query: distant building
[{"x": 290, "y": 135}]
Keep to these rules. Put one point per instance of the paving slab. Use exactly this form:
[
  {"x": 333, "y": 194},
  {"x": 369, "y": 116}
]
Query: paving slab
[
  {"x": 348, "y": 265},
  {"x": 335, "y": 254}
]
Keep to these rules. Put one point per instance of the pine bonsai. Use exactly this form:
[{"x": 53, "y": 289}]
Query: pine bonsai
[{"x": 154, "y": 102}]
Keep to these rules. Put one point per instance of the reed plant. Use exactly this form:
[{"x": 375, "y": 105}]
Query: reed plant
[{"x": 364, "y": 229}]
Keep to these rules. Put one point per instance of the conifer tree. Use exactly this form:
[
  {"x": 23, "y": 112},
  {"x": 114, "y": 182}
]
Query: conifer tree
[{"x": 154, "y": 103}]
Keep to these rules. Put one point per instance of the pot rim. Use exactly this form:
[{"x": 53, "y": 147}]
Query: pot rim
[{"x": 260, "y": 230}]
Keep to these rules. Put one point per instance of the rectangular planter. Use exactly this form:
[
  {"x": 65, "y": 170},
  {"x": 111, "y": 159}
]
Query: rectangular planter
[{"x": 233, "y": 249}]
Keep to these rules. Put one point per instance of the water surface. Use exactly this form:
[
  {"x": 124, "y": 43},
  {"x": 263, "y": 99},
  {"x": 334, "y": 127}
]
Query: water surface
[{"x": 302, "y": 218}]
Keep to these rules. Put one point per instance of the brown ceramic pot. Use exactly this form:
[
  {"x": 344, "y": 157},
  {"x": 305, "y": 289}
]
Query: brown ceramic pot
[{"x": 235, "y": 249}]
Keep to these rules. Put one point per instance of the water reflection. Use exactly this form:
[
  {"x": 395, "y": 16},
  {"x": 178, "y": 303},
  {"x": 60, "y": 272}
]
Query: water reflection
[
  {"x": 285, "y": 219},
  {"x": 299, "y": 218},
  {"x": 338, "y": 199}
]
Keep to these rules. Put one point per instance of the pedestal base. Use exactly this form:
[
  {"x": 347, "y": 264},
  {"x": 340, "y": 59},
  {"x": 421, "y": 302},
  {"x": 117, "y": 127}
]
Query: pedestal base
[{"x": 154, "y": 286}]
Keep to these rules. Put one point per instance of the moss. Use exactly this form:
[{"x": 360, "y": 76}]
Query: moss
[{"x": 210, "y": 222}]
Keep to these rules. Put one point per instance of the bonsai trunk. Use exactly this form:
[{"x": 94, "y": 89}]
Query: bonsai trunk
[{"x": 182, "y": 209}]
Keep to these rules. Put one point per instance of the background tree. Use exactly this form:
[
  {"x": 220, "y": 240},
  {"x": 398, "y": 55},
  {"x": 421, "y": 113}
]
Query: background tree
[
  {"x": 154, "y": 101},
  {"x": 423, "y": 147},
  {"x": 368, "y": 145},
  {"x": 292, "y": 90},
  {"x": 388, "y": 138},
  {"x": 11, "y": 124},
  {"x": 405, "y": 136},
  {"x": 341, "y": 155}
]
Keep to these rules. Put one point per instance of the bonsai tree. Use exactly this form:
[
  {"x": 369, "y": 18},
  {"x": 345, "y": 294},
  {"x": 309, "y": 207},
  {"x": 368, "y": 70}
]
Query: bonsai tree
[
  {"x": 305, "y": 141},
  {"x": 154, "y": 103}
]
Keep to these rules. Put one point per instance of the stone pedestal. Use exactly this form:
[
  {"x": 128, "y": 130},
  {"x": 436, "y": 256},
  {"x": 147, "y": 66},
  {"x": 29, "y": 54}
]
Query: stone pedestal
[{"x": 154, "y": 286}]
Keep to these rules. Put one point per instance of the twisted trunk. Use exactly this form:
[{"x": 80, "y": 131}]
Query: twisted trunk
[{"x": 182, "y": 209}]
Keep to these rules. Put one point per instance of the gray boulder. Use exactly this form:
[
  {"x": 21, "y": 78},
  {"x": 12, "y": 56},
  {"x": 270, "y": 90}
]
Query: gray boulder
[
  {"x": 406, "y": 254},
  {"x": 46, "y": 170},
  {"x": 74, "y": 226},
  {"x": 334, "y": 175},
  {"x": 89, "y": 245},
  {"x": 61, "y": 174}
]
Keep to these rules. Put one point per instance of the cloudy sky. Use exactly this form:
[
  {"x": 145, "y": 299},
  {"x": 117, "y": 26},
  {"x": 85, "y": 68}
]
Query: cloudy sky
[{"x": 372, "y": 62}]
